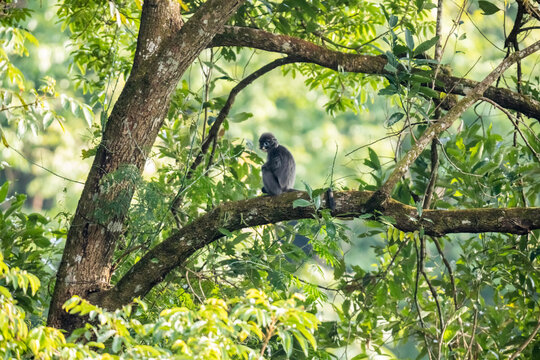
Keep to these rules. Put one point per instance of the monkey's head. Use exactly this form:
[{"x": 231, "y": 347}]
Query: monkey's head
[{"x": 267, "y": 141}]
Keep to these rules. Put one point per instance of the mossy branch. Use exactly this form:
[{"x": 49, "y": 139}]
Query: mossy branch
[
  {"x": 357, "y": 63},
  {"x": 175, "y": 250}
]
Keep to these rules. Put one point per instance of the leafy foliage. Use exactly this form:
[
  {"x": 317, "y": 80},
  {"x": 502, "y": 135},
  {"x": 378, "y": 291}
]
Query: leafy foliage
[
  {"x": 27, "y": 244},
  {"x": 243, "y": 328},
  {"x": 103, "y": 34},
  {"x": 389, "y": 293}
]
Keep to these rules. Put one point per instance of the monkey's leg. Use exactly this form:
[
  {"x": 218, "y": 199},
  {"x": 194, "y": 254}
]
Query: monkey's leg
[{"x": 271, "y": 185}]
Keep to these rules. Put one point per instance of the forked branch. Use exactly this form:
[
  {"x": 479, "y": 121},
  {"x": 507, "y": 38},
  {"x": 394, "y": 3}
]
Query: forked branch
[{"x": 381, "y": 196}]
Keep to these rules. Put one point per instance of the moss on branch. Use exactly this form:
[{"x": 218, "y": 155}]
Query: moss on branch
[{"x": 175, "y": 250}]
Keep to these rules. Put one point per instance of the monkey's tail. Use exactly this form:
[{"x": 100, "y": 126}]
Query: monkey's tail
[{"x": 330, "y": 199}]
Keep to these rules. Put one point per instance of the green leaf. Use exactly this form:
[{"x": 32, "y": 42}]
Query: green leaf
[
  {"x": 395, "y": 117},
  {"x": 317, "y": 202},
  {"x": 488, "y": 7},
  {"x": 420, "y": 79},
  {"x": 87, "y": 114},
  {"x": 225, "y": 232},
  {"x": 309, "y": 190},
  {"x": 302, "y": 342},
  {"x": 3, "y": 191},
  {"x": 392, "y": 21},
  {"x": 106, "y": 335},
  {"x": 391, "y": 69},
  {"x": 419, "y": 208},
  {"x": 34, "y": 283},
  {"x": 286, "y": 341},
  {"x": 409, "y": 39},
  {"x": 301, "y": 203},
  {"x": 426, "y": 45},
  {"x": 309, "y": 336},
  {"x": 117, "y": 344},
  {"x": 42, "y": 242},
  {"x": 360, "y": 357},
  {"x": 240, "y": 117},
  {"x": 331, "y": 229},
  {"x": 428, "y": 92},
  {"x": 96, "y": 344},
  {"x": 48, "y": 118},
  {"x": 374, "y": 158}
]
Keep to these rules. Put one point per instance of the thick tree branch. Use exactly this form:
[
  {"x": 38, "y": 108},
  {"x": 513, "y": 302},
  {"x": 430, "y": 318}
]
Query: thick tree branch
[
  {"x": 175, "y": 250},
  {"x": 380, "y": 197},
  {"x": 312, "y": 53}
]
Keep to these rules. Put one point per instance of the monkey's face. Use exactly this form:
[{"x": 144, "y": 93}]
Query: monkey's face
[{"x": 267, "y": 141}]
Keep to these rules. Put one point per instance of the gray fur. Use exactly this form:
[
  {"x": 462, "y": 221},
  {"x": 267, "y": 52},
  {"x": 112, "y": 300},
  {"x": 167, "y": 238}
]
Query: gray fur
[{"x": 279, "y": 170}]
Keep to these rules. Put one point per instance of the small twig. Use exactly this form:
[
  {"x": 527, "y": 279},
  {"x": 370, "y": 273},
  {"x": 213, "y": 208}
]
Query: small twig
[
  {"x": 124, "y": 255},
  {"x": 450, "y": 272},
  {"x": 434, "y": 151},
  {"x": 436, "y": 298},
  {"x": 158, "y": 297},
  {"x": 529, "y": 28},
  {"x": 318, "y": 286},
  {"x": 269, "y": 334},
  {"x": 397, "y": 133},
  {"x": 473, "y": 334},
  {"x": 401, "y": 246},
  {"x": 44, "y": 168},
  {"x": 208, "y": 77},
  {"x": 212, "y": 153},
  {"x": 457, "y": 167},
  {"x": 527, "y": 342},
  {"x": 438, "y": 46},
  {"x": 433, "y": 177},
  {"x": 23, "y": 105},
  {"x": 417, "y": 278},
  {"x": 516, "y": 125},
  {"x": 191, "y": 288}
]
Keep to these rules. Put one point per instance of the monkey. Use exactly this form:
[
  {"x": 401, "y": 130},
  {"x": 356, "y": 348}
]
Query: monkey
[{"x": 279, "y": 170}]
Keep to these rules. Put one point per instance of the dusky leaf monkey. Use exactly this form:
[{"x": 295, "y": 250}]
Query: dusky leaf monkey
[{"x": 279, "y": 170}]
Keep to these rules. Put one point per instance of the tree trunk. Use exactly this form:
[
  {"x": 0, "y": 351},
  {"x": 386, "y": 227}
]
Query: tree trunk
[{"x": 165, "y": 49}]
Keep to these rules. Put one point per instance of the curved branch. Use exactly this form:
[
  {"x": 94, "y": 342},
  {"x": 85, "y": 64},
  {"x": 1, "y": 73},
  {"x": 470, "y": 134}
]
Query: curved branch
[
  {"x": 223, "y": 113},
  {"x": 214, "y": 130},
  {"x": 175, "y": 250},
  {"x": 339, "y": 61}
]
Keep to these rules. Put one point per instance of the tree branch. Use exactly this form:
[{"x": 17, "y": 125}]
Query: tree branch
[
  {"x": 340, "y": 61},
  {"x": 527, "y": 342},
  {"x": 175, "y": 250},
  {"x": 380, "y": 197}
]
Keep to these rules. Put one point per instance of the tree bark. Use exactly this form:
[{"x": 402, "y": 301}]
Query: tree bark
[
  {"x": 339, "y": 61},
  {"x": 165, "y": 49},
  {"x": 174, "y": 251}
]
